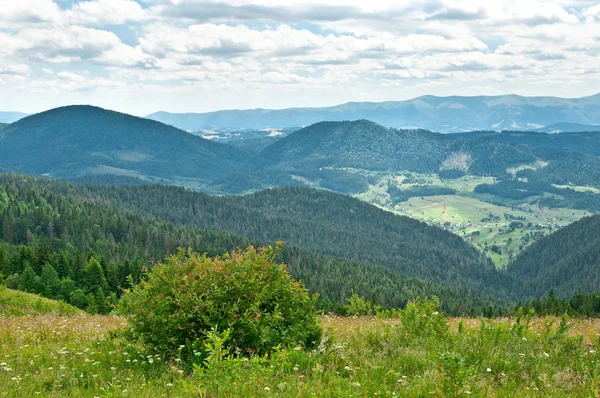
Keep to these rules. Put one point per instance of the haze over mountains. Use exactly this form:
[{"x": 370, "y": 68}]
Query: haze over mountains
[
  {"x": 79, "y": 140},
  {"x": 443, "y": 114}
]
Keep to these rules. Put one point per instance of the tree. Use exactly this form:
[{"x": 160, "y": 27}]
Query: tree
[
  {"x": 49, "y": 282},
  {"x": 94, "y": 278},
  {"x": 78, "y": 298},
  {"x": 29, "y": 280}
]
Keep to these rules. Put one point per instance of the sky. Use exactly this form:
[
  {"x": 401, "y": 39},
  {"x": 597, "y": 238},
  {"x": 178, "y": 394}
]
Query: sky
[{"x": 196, "y": 56}]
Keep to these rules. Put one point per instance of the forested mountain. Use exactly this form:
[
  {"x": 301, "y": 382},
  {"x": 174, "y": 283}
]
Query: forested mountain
[
  {"x": 333, "y": 152},
  {"x": 78, "y": 140},
  {"x": 565, "y": 261},
  {"x": 583, "y": 142},
  {"x": 319, "y": 221},
  {"x": 85, "y": 238},
  {"x": 444, "y": 114}
]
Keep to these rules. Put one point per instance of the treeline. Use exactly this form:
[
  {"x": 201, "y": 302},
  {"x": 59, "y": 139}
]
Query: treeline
[
  {"x": 580, "y": 304},
  {"x": 316, "y": 221},
  {"x": 561, "y": 197},
  {"x": 61, "y": 243},
  {"x": 402, "y": 195}
]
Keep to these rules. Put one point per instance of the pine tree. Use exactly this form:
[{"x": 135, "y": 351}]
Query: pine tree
[
  {"x": 100, "y": 301},
  {"x": 29, "y": 280},
  {"x": 49, "y": 282},
  {"x": 94, "y": 278}
]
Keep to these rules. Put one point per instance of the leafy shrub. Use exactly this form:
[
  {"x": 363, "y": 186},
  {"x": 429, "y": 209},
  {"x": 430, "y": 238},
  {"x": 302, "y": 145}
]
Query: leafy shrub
[
  {"x": 179, "y": 302},
  {"x": 356, "y": 305},
  {"x": 422, "y": 318}
]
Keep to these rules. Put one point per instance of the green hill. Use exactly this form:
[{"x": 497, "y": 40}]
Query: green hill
[
  {"x": 329, "y": 243},
  {"x": 79, "y": 140},
  {"x": 16, "y": 303},
  {"x": 565, "y": 261},
  {"x": 338, "y": 155}
]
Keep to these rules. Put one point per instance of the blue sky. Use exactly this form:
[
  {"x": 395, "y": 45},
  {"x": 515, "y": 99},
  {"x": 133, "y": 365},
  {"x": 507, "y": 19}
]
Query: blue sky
[{"x": 194, "y": 56}]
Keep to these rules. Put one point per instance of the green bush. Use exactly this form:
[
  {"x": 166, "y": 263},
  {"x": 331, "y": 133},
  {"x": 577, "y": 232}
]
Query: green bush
[
  {"x": 178, "y": 303},
  {"x": 423, "y": 318}
]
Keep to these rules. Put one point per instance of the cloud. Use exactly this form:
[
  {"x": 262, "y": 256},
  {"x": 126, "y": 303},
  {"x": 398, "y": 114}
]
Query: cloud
[
  {"x": 105, "y": 12},
  {"x": 250, "y": 52}
]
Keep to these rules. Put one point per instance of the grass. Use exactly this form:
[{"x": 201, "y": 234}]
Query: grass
[
  {"x": 83, "y": 356},
  {"x": 462, "y": 213},
  {"x": 16, "y": 303}
]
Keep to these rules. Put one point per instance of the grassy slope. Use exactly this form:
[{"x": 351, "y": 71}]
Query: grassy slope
[
  {"x": 454, "y": 212},
  {"x": 362, "y": 357},
  {"x": 16, "y": 303}
]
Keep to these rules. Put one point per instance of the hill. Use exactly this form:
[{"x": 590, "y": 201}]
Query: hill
[
  {"x": 10, "y": 117},
  {"x": 328, "y": 245},
  {"x": 16, "y": 303},
  {"x": 340, "y": 155},
  {"x": 445, "y": 114},
  {"x": 565, "y": 261},
  {"x": 583, "y": 142},
  {"x": 78, "y": 140},
  {"x": 567, "y": 128}
]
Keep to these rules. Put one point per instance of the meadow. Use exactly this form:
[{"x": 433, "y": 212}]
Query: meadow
[
  {"x": 418, "y": 353},
  {"x": 475, "y": 217}
]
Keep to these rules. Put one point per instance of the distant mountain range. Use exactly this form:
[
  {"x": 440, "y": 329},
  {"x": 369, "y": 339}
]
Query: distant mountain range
[
  {"x": 567, "y": 128},
  {"x": 10, "y": 117},
  {"x": 442, "y": 114}
]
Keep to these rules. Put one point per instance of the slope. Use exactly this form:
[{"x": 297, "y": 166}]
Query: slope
[
  {"x": 565, "y": 261},
  {"x": 77, "y": 140},
  {"x": 317, "y": 151},
  {"x": 45, "y": 222},
  {"x": 321, "y": 222}
]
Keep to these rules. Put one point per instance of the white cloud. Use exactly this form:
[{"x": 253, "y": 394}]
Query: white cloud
[
  {"x": 105, "y": 12},
  {"x": 271, "y": 52}
]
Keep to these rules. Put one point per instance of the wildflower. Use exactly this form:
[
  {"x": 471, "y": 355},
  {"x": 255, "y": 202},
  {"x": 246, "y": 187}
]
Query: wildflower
[
  {"x": 489, "y": 370},
  {"x": 169, "y": 385},
  {"x": 546, "y": 354},
  {"x": 356, "y": 384},
  {"x": 151, "y": 360},
  {"x": 113, "y": 368},
  {"x": 267, "y": 389}
]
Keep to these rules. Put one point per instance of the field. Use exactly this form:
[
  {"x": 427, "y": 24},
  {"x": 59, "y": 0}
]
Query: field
[
  {"x": 83, "y": 356},
  {"x": 486, "y": 225}
]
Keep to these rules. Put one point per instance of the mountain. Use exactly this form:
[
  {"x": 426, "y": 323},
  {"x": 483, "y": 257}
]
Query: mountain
[
  {"x": 342, "y": 156},
  {"x": 565, "y": 261},
  {"x": 329, "y": 241},
  {"x": 582, "y": 142},
  {"x": 567, "y": 128},
  {"x": 443, "y": 114},
  {"x": 317, "y": 221},
  {"x": 10, "y": 117},
  {"x": 79, "y": 140}
]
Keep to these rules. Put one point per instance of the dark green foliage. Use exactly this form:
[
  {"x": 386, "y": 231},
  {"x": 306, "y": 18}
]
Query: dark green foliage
[
  {"x": 28, "y": 281},
  {"x": 402, "y": 195},
  {"x": 246, "y": 292},
  {"x": 73, "y": 220},
  {"x": 320, "y": 222},
  {"x": 565, "y": 261}
]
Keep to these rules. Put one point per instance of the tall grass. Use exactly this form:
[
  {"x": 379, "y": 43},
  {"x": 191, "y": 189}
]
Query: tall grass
[{"x": 420, "y": 354}]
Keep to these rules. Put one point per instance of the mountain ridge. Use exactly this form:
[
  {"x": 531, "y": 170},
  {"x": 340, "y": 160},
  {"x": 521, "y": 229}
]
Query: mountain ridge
[{"x": 446, "y": 114}]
